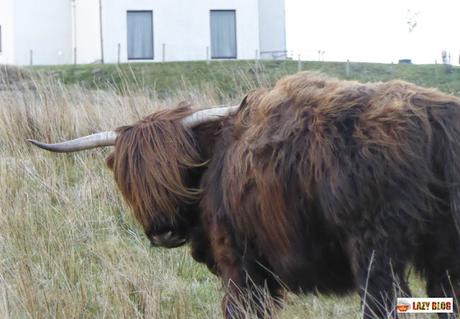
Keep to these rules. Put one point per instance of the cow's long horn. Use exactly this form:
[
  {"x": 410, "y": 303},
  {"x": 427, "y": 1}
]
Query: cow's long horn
[
  {"x": 207, "y": 115},
  {"x": 82, "y": 143},
  {"x": 108, "y": 138}
]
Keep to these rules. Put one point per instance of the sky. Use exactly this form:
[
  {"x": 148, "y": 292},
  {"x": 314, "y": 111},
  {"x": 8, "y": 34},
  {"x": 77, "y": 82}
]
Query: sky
[{"x": 373, "y": 31}]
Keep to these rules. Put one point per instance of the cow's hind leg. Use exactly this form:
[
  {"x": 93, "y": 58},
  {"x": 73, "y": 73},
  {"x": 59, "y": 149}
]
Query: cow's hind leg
[
  {"x": 441, "y": 262},
  {"x": 443, "y": 284},
  {"x": 380, "y": 273}
]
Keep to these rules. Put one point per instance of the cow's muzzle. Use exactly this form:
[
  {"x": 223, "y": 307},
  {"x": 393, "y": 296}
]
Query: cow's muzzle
[{"x": 168, "y": 240}]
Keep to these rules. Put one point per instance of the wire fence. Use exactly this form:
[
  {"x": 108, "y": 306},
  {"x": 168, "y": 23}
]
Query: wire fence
[{"x": 444, "y": 57}]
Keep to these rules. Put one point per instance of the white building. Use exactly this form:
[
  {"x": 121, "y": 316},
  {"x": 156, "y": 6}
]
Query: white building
[{"x": 88, "y": 31}]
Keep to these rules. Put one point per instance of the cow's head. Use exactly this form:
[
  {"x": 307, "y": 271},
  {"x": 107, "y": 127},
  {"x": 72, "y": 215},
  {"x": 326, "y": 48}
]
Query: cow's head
[{"x": 152, "y": 164}]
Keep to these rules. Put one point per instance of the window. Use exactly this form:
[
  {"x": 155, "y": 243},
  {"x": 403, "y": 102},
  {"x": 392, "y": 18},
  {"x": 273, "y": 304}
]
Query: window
[
  {"x": 223, "y": 34},
  {"x": 140, "y": 35}
]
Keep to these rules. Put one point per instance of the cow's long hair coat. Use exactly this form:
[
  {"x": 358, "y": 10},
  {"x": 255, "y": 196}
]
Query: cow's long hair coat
[{"x": 315, "y": 185}]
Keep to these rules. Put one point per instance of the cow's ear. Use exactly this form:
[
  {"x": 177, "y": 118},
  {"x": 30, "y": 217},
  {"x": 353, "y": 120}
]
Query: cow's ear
[
  {"x": 110, "y": 160},
  {"x": 244, "y": 102},
  {"x": 253, "y": 97}
]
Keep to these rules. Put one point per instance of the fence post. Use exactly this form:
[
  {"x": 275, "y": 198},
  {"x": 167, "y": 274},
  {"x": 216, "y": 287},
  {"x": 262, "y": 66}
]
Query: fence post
[
  {"x": 163, "y": 52},
  {"x": 207, "y": 55},
  {"x": 347, "y": 69},
  {"x": 31, "y": 57},
  {"x": 299, "y": 64},
  {"x": 75, "y": 56},
  {"x": 119, "y": 53}
]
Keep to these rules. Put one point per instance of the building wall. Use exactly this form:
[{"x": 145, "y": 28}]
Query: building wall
[
  {"x": 7, "y": 25},
  {"x": 86, "y": 31},
  {"x": 272, "y": 28},
  {"x": 44, "y": 28},
  {"x": 65, "y": 31},
  {"x": 183, "y": 28}
]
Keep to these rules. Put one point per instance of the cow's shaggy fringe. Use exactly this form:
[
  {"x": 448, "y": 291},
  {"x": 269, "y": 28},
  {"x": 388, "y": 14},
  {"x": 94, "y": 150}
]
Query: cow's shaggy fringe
[
  {"x": 150, "y": 163},
  {"x": 305, "y": 183}
]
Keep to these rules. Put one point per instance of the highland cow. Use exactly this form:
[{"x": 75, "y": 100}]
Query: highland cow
[{"x": 315, "y": 185}]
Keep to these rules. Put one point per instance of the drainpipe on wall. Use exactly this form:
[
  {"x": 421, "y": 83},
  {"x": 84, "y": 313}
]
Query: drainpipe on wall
[
  {"x": 74, "y": 31},
  {"x": 101, "y": 31}
]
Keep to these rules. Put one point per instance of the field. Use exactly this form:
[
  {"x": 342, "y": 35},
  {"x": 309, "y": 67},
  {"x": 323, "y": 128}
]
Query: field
[{"x": 68, "y": 245}]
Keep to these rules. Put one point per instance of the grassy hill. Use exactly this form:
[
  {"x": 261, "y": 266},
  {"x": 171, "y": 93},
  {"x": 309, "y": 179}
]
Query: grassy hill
[{"x": 232, "y": 78}]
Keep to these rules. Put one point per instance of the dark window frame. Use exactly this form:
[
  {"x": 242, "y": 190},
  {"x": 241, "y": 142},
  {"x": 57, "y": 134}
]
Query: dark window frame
[
  {"x": 236, "y": 34},
  {"x": 153, "y": 36}
]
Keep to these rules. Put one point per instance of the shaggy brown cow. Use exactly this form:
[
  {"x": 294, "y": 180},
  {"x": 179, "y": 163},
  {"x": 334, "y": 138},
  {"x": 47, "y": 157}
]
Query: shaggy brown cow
[{"x": 316, "y": 185}]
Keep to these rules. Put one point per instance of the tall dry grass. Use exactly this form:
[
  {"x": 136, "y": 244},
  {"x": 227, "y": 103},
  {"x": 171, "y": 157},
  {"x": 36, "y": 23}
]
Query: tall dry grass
[{"x": 68, "y": 245}]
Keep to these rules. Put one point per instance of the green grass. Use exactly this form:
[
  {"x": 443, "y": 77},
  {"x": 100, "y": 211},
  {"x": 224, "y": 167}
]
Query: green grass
[{"x": 232, "y": 78}]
